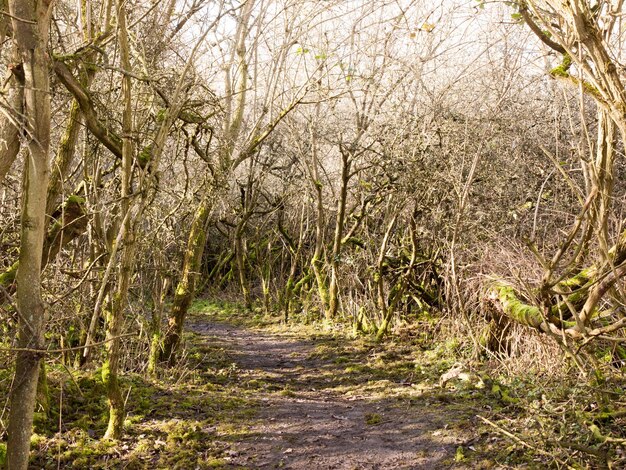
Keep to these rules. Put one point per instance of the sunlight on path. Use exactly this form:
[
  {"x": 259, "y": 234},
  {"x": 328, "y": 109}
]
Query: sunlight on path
[{"x": 314, "y": 415}]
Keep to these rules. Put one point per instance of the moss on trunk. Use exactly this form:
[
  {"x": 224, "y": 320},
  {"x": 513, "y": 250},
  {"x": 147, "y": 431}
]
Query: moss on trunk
[
  {"x": 515, "y": 309},
  {"x": 185, "y": 290}
]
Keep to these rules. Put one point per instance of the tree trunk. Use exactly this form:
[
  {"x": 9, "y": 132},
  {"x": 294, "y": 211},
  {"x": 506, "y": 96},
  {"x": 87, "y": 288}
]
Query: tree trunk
[
  {"x": 64, "y": 157},
  {"x": 115, "y": 318},
  {"x": 31, "y": 38},
  {"x": 4, "y": 21},
  {"x": 185, "y": 289},
  {"x": 114, "y": 323},
  {"x": 602, "y": 180},
  {"x": 69, "y": 222},
  {"x": 569, "y": 306},
  {"x": 240, "y": 258},
  {"x": 161, "y": 286},
  {"x": 317, "y": 263},
  {"x": 386, "y": 310},
  {"x": 333, "y": 301}
]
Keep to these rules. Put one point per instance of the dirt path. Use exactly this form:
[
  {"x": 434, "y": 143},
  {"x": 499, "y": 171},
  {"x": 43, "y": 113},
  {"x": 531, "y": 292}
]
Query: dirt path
[{"x": 314, "y": 415}]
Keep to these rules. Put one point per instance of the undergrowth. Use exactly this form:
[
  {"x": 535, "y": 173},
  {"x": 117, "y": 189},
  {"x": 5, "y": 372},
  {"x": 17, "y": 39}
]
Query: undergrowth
[
  {"x": 530, "y": 409},
  {"x": 188, "y": 418}
]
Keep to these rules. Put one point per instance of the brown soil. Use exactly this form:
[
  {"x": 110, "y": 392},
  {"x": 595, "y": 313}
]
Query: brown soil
[{"x": 313, "y": 415}]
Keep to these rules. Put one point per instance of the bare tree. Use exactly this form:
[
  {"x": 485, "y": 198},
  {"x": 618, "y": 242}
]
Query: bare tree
[{"x": 30, "y": 23}]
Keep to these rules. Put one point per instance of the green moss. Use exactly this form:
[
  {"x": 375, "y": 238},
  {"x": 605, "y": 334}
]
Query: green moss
[
  {"x": 579, "y": 280},
  {"x": 354, "y": 241},
  {"x": 562, "y": 70},
  {"x": 341, "y": 360},
  {"x": 501, "y": 392},
  {"x": 36, "y": 440},
  {"x": 161, "y": 115},
  {"x": 197, "y": 404},
  {"x": 156, "y": 346},
  {"x": 287, "y": 392},
  {"x": 106, "y": 372},
  {"x": 452, "y": 344},
  {"x": 515, "y": 309},
  {"x": 592, "y": 90},
  {"x": 215, "y": 463},
  {"x": 373, "y": 419},
  {"x": 144, "y": 157},
  {"x": 75, "y": 199},
  {"x": 8, "y": 277}
]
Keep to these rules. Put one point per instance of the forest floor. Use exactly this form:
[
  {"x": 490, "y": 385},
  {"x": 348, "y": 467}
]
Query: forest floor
[
  {"x": 320, "y": 411},
  {"x": 252, "y": 393}
]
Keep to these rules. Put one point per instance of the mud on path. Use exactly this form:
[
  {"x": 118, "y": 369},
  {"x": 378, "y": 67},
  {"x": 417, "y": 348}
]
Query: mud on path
[{"x": 315, "y": 414}]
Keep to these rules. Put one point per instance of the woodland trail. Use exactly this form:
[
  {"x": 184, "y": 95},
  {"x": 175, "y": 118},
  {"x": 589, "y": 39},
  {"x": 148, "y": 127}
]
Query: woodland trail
[{"x": 314, "y": 415}]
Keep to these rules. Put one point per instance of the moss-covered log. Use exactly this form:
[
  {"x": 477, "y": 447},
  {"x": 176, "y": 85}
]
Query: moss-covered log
[
  {"x": 507, "y": 301},
  {"x": 504, "y": 299}
]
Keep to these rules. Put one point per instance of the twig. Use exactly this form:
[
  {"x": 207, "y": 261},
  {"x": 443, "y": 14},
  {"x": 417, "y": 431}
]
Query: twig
[
  {"x": 13, "y": 304},
  {"x": 75, "y": 348},
  {"x": 523, "y": 442},
  {"x": 127, "y": 396},
  {"x": 69, "y": 372},
  {"x": 61, "y": 421},
  {"x": 17, "y": 18},
  {"x": 580, "y": 448},
  {"x": 82, "y": 280}
]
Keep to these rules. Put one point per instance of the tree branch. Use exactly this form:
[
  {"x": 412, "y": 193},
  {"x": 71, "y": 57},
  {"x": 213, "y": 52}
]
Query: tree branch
[
  {"x": 108, "y": 138},
  {"x": 543, "y": 37}
]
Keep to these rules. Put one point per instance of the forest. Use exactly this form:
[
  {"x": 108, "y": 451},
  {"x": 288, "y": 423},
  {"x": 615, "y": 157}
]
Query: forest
[{"x": 340, "y": 234}]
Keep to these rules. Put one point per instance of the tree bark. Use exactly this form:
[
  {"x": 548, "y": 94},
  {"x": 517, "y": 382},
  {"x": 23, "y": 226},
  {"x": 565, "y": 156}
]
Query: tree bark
[
  {"x": 108, "y": 138},
  {"x": 159, "y": 291},
  {"x": 240, "y": 257},
  {"x": 64, "y": 157},
  {"x": 317, "y": 262},
  {"x": 70, "y": 223},
  {"x": 115, "y": 318},
  {"x": 333, "y": 301},
  {"x": 185, "y": 289},
  {"x": 4, "y": 20},
  {"x": 386, "y": 311},
  {"x": 31, "y": 38},
  {"x": 233, "y": 120}
]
